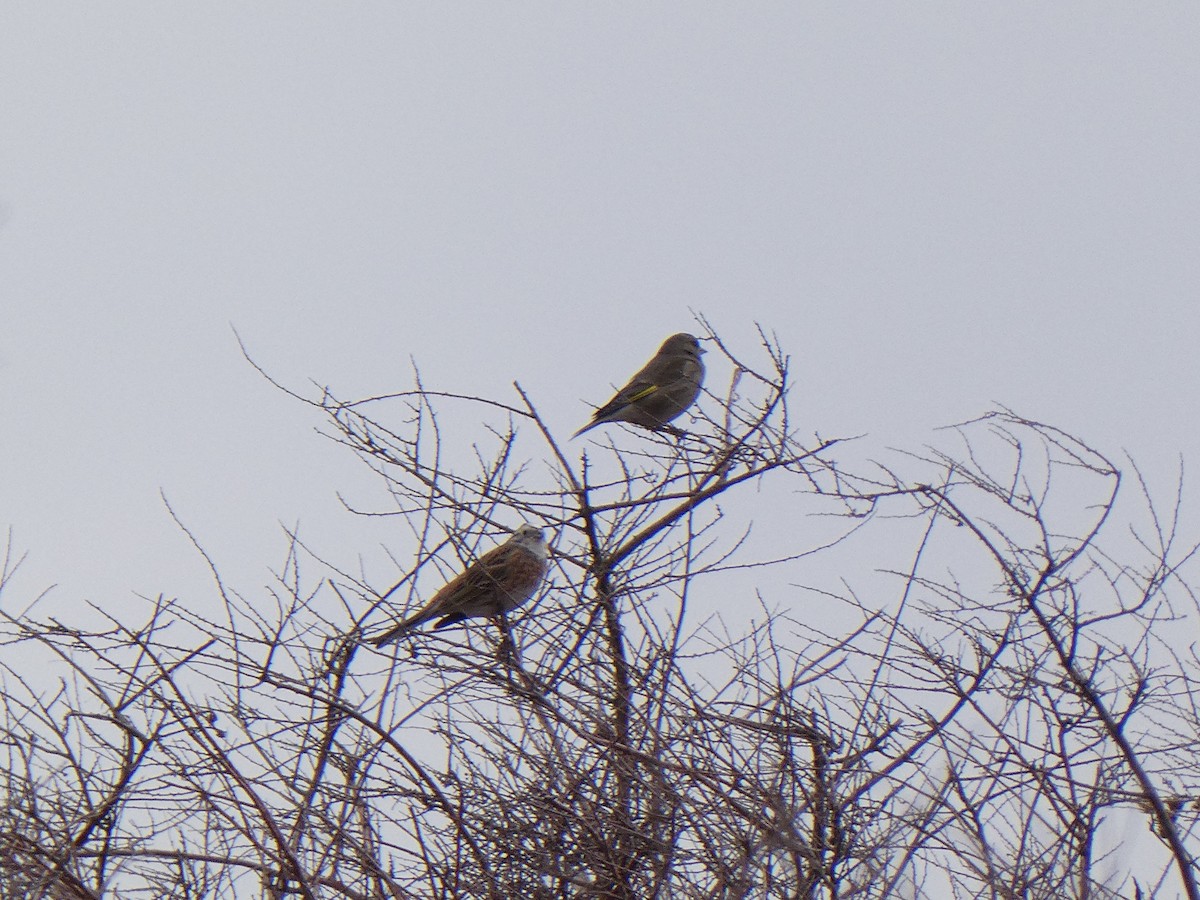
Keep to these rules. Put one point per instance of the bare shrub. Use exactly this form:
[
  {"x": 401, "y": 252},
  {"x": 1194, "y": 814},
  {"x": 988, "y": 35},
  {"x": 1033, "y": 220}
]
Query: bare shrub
[{"x": 678, "y": 715}]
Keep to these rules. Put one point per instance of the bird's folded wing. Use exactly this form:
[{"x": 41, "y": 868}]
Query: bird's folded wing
[{"x": 631, "y": 393}]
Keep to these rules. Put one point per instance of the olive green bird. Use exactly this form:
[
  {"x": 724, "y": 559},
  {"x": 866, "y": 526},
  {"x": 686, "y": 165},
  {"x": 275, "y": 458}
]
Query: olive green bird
[{"x": 661, "y": 391}]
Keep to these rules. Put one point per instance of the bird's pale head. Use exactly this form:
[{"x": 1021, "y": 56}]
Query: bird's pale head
[{"x": 532, "y": 539}]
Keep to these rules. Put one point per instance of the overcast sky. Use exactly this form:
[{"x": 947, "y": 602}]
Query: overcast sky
[{"x": 937, "y": 206}]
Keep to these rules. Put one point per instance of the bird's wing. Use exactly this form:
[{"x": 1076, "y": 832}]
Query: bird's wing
[
  {"x": 453, "y": 596},
  {"x": 648, "y": 380},
  {"x": 633, "y": 392},
  {"x": 483, "y": 576}
]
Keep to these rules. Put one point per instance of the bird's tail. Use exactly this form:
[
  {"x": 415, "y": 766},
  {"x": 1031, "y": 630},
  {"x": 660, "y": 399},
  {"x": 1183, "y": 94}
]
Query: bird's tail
[
  {"x": 588, "y": 427},
  {"x": 400, "y": 629}
]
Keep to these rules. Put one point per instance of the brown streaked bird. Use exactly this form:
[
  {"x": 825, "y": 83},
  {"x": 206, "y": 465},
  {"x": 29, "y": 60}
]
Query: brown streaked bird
[
  {"x": 498, "y": 582},
  {"x": 661, "y": 391}
]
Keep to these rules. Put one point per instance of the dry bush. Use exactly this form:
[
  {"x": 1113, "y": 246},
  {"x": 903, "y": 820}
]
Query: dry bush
[{"x": 675, "y": 716}]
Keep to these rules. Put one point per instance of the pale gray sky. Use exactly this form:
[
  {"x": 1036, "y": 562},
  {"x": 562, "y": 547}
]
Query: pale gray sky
[{"x": 935, "y": 205}]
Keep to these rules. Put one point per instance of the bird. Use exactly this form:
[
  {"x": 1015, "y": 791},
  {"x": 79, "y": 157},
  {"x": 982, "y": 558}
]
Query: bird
[
  {"x": 498, "y": 582},
  {"x": 660, "y": 391}
]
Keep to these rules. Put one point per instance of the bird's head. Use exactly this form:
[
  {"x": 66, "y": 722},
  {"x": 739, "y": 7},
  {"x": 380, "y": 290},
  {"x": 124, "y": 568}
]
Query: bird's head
[
  {"x": 682, "y": 343},
  {"x": 533, "y": 539}
]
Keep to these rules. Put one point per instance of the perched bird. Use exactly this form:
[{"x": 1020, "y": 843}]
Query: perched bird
[
  {"x": 661, "y": 391},
  {"x": 499, "y": 581}
]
